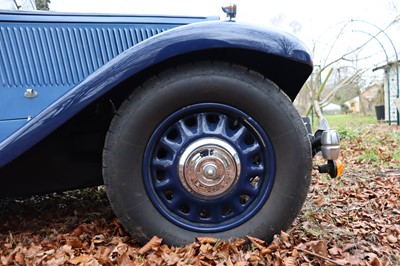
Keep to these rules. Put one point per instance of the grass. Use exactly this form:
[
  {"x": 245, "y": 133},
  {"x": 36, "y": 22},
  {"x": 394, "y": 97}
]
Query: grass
[
  {"x": 345, "y": 121},
  {"x": 351, "y": 126},
  {"x": 340, "y": 122},
  {"x": 375, "y": 142}
]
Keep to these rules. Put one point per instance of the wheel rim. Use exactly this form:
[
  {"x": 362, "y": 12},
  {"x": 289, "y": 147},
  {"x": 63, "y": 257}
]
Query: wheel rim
[{"x": 208, "y": 167}]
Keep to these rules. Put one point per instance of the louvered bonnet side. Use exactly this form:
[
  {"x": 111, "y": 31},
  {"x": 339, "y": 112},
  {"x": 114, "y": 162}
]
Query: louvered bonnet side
[{"x": 59, "y": 54}]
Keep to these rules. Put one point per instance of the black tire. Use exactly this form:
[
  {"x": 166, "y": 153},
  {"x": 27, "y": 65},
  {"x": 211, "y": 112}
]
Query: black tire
[{"x": 207, "y": 149}]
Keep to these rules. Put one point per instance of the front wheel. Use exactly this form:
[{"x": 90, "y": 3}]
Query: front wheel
[{"x": 207, "y": 149}]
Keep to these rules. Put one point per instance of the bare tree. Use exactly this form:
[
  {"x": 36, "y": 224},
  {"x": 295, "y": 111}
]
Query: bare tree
[
  {"x": 281, "y": 21},
  {"x": 316, "y": 87},
  {"x": 322, "y": 76}
]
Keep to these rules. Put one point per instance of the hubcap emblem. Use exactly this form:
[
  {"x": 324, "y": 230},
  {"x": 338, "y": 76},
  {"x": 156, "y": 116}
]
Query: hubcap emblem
[{"x": 209, "y": 167}]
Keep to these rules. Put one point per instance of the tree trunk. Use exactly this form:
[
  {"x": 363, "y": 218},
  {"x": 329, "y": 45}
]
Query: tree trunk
[{"x": 318, "y": 110}]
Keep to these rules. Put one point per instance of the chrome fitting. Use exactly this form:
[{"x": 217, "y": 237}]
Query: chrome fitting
[
  {"x": 230, "y": 11},
  {"x": 330, "y": 147},
  {"x": 30, "y": 93}
]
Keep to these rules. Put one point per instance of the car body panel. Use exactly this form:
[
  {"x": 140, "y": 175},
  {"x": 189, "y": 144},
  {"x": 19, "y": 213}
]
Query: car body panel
[
  {"x": 51, "y": 53},
  {"x": 77, "y": 75}
]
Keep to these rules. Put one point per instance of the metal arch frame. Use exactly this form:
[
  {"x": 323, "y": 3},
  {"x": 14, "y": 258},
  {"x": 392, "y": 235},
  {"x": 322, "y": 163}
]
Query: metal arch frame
[
  {"x": 387, "y": 62},
  {"x": 387, "y": 59}
]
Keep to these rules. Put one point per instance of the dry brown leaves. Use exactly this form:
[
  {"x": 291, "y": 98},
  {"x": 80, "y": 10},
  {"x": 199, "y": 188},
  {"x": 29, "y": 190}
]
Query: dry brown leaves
[{"x": 352, "y": 220}]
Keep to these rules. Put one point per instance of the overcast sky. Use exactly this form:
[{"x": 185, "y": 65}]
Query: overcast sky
[
  {"x": 314, "y": 15},
  {"x": 313, "y": 21}
]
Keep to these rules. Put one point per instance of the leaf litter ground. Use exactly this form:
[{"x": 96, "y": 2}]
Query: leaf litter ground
[{"x": 352, "y": 220}]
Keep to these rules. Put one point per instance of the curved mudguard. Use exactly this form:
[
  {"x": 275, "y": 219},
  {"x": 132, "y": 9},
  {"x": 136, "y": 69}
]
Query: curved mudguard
[{"x": 178, "y": 41}]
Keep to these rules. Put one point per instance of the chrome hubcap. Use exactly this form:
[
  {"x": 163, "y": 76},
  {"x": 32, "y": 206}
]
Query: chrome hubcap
[{"x": 209, "y": 167}]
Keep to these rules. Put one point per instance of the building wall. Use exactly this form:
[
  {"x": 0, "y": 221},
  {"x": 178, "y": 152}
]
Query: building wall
[
  {"x": 354, "y": 105},
  {"x": 391, "y": 93},
  {"x": 367, "y": 100}
]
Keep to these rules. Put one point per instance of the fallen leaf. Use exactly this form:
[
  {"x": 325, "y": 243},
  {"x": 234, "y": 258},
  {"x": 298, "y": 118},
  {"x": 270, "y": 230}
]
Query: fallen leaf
[
  {"x": 74, "y": 242},
  {"x": 153, "y": 244},
  {"x": 257, "y": 242},
  {"x": 392, "y": 239},
  {"x": 80, "y": 259},
  {"x": 204, "y": 240}
]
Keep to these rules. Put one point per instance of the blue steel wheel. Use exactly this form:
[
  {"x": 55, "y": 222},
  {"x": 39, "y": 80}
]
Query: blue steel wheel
[
  {"x": 208, "y": 149},
  {"x": 208, "y": 167}
]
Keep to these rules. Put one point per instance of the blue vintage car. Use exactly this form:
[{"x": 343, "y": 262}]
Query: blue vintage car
[{"x": 187, "y": 121}]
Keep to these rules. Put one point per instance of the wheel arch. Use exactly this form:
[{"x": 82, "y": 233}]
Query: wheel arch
[
  {"x": 278, "y": 56},
  {"x": 287, "y": 74}
]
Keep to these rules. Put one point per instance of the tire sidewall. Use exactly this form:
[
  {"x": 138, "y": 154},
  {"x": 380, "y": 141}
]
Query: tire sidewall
[{"x": 217, "y": 83}]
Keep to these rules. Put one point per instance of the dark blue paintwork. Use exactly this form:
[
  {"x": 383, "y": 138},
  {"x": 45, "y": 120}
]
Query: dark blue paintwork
[{"x": 166, "y": 45}]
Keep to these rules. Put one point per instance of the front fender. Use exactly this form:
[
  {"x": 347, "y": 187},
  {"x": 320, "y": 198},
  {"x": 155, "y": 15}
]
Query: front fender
[{"x": 178, "y": 41}]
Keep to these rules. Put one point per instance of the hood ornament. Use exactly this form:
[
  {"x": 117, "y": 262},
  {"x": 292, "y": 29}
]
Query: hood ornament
[{"x": 230, "y": 11}]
